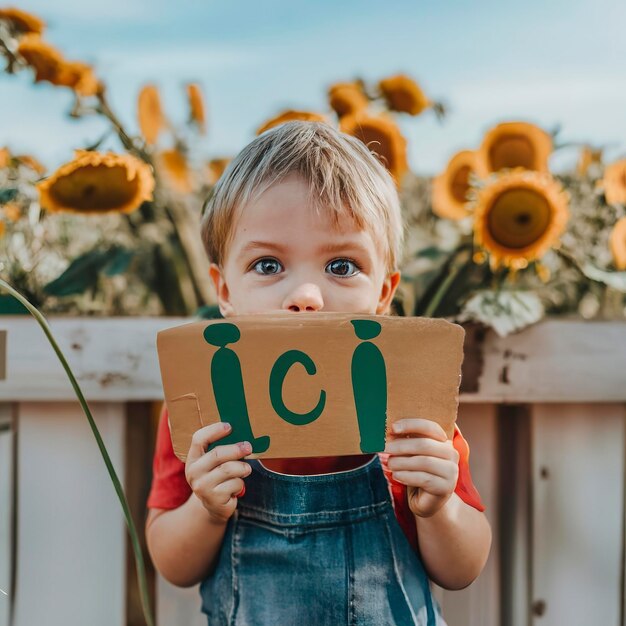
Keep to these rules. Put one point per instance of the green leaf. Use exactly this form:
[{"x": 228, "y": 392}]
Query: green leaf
[
  {"x": 617, "y": 280},
  {"x": 119, "y": 262},
  {"x": 504, "y": 311},
  {"x": 432, "y": 252},
  {"x": 209, "y": 312},
  {"x": 84, "y": 271},
  {"x": 8, "y": 194}
]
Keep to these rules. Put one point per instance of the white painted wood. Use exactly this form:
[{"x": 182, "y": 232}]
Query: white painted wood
[
  {"x": 176, "y": 606},
  {"x": 72, "y": 572},
  {"x": 578, "y": 512},
  {"x": 71, "y": 543},
  {"x": 6, "y": 509},
  {"x": 478, "y": 604},
  {"x": 555, "y": 361},
  {"x": 112, "y": 358},
  {"x": 116, "y": 359}
]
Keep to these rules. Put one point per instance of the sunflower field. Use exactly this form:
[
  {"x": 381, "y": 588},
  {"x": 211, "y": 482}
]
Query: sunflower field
[{"x": 496, "y": 239}]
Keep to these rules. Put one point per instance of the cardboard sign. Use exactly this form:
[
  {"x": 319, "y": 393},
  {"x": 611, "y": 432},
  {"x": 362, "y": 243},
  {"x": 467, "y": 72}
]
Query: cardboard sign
[{"x": 319, "y": 384}]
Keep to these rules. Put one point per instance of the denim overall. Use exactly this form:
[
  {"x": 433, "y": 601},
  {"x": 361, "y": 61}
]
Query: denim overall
[{"x": 321, "y": 550}]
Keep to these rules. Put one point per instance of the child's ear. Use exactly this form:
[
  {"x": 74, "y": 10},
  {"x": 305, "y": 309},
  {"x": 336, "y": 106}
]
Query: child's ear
[
  {"x": 387, "y": 292},
  {"x": 221, "y": 289}
]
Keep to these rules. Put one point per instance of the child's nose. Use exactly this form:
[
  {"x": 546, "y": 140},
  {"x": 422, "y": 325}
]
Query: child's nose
[{"x": 306, "y": 297}]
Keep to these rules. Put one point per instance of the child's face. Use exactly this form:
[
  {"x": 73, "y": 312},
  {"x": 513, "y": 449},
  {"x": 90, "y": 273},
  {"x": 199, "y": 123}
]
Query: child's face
[{"x": 285, "y": 256}]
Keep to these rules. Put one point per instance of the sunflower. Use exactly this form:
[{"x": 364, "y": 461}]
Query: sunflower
[
  {"x": 514, "y": 144},
  {"x": 518, "y": 216},
  {"x": 80, "y": 77},
  {"x": 589, "y": 157},
  {"x": 450, "y": 188},
  {"x": 347, "y": 98},
  {"x": 45, "y": 59},
  {"x": 12, "y": 211},
  {"x": 173, "y": 164},
  {"x": 404, "y": 95},
  {"x": 98, "y": 183},
  {"x": 50, "y": 66},
  {"x": 196, "y": 106},
  {"x": 215, "y": 168},
  {"x": 32, "y": 163},
  {"x": 5, "y": 158},
  {"x": 617, "y": 242},
  {"x": 383, "y": 137},
  {"x": 290, "y": 116},
  {"x": 150, "y": 114},
  {"x": 21, "y": 21},
  {"x": 614, "y": 182}
]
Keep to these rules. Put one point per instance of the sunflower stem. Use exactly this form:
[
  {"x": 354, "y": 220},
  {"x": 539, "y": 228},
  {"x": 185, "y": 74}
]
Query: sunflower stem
[
  {"x": 433, "y": 305},
  {"x": 141, "y": 570},
  {"x": 125, "y": 138},
  {"x": 12, "y": 58}
]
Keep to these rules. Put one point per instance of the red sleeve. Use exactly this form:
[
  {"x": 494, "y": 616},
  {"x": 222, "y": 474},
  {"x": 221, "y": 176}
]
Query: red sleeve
[
  {"x": 169, "y": 486},
  {"x": 465, "y": 488}
]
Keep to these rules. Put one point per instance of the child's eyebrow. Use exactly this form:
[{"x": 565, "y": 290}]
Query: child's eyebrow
[
  {"x": 254, "y": 245},
  {"x": 343, "y": 246},
  {"x": 326, "y": 248}
]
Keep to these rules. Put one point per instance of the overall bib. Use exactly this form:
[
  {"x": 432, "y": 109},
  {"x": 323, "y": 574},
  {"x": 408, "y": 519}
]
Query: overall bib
[{"x": 321, "y": 550}]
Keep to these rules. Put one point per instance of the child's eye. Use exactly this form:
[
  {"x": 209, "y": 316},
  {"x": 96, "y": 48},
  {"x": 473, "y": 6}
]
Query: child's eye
[
  {"x": 267, "y": 266},
  {"x": 343, "y": 267}
]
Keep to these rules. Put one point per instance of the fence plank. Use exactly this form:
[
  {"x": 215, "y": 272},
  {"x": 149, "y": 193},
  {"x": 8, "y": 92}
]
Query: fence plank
[
  {"x": 578, "y": 471},
  {"x": 176, "y": 606},
  {"x": 71, "y": 551},
  {"x": 478, "y": 605},
  {"x": 7, "y": 440},
  {"x": 115, "y": 359}
]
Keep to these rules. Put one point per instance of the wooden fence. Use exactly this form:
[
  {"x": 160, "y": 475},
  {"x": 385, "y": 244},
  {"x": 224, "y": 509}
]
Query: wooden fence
[{"x": 543, "y": 411}]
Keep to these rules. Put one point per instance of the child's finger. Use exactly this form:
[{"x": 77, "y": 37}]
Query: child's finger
[
  {"x": 221, "y": 455},
  {"x": 421, "y": 446},
  {"x": 418, "y": 426},
  {"x": 229, "y": 489},
  {"x": 434, "y": 485},
  {"x": 437, "y": 467},
  {"x": 425, "y": 504},
  {"x": 204, "y": 437},
  {"x": 225, "y": 472}
]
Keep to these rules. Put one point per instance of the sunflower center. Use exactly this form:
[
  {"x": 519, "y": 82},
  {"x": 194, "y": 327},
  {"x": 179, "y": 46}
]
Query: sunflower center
[
  {"x": 512, "y": 151},
  {"x": 95, "y": 188},
  {"x": 460, "y": 184},
  {"x": 518, "y": 218}
]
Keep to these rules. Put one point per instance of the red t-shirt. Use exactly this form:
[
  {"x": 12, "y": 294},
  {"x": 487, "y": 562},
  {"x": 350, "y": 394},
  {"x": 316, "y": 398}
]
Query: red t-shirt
[{"x": 170, "y": 488}]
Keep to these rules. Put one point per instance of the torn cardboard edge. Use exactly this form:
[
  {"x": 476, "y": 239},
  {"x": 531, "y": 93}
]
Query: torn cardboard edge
[{"x": 302, "y": 385}]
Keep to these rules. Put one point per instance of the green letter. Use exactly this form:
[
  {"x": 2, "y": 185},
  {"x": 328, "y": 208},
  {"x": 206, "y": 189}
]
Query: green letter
[
  {"x": 228, "y": 390},
  {"x": 277, "y": 377},
  {"x": 369, "y": 386}
]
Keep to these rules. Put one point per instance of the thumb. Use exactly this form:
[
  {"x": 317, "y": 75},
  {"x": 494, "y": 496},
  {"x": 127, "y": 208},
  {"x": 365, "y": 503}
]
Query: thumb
[{"x": 422, "y": 503}]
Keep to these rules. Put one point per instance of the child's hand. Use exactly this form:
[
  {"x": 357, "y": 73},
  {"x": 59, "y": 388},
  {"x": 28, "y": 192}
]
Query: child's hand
[
  {"x": 216, "y": 477},
  {"x": 424, "y": 459}
]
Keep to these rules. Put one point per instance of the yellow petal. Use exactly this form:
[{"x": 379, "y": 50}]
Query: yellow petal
[
  {"x": 98, "y": 183},
  {"x": 514, "y": 144}
]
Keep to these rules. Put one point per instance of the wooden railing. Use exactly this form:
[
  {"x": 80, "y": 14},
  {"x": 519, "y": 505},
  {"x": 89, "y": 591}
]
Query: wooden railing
[{"x": 543, "y": 411}]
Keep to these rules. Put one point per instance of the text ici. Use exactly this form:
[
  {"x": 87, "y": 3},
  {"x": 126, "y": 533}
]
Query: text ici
[{"x": 369, "y": 387}]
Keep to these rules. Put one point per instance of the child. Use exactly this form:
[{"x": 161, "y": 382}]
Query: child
[{"x": 306, "y": 219}]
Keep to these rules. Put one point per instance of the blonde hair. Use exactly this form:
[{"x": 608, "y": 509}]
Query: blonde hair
[{"x": 343, "y": 176}]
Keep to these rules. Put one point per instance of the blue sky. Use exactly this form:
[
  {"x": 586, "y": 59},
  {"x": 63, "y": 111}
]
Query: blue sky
[{"x": 553, "y": 63}]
